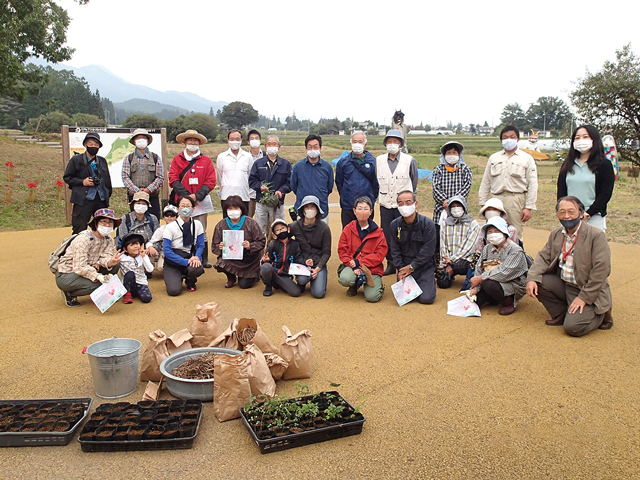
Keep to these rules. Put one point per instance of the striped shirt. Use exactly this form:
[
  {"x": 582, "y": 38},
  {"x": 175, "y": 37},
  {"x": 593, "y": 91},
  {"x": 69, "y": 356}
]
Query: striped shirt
[
  {"x": 565, "y": 260},
  {"x": 447, "y": 184},
  {"x": 459, "y": 241},
  {"x": 84, "y": 251},
  {"x": 511, "y": 274}
]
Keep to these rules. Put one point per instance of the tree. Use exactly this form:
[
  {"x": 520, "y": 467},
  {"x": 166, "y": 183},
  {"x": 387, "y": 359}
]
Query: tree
[
  {"x": 548, "y": 113},
  {"x": 30, "y": 28},
  {"x": 141, "y": 121},
  {"x": 204, "y": 124},
  {"x": 238, "y": 114},
  {"x": 50, "y": 123},
  {"x": 512, "y": 114},
  {"x": 610, "y": 101},
  {"x": 88, "y": 120}
]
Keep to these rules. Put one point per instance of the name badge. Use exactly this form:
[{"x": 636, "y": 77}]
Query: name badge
[{"x": 193, "y": 181}]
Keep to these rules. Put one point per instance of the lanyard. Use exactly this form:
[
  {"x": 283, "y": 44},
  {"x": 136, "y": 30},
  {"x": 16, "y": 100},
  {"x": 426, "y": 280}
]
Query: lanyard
[{"x": 566, "y": 253}]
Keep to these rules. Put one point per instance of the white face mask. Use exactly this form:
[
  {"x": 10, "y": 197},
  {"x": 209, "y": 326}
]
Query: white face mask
[
  {"x": 509, "y": 144},
  {"x": 310, "y": 213},
  {"x": 234, "y": 214},
  {"x": 193, "y": 148},
  {"x": 491, "y": 213},
  {"x": 234, "y": 145},
  {"x": 358, "y": 148},
  {"x": 457, "y": 212},
  {"x": 451, "y": 159},
  {"x": 495, "y": 238},
  {"x": 313, "y": 153},
  {"x": 139, "y": 208},
  {"x": 104, "y": 231},
  {"x": 272, "y": 151},
  {"x": 583, "y": 146},
  {"x": 407, "y": 210},
  {"x": 393, "y": 148},
  {"x": 255, "y": 143},
  {"x": 142, "y": 143}
]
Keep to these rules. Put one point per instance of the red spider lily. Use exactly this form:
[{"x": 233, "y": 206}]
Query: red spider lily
[
  {"x": 10, "y": 166},
  {"x": 59, "y": 183},
  {"x": 32, "y": 184}
]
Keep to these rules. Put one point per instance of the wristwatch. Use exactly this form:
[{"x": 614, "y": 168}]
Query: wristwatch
[{"x": 411, "y": 268}]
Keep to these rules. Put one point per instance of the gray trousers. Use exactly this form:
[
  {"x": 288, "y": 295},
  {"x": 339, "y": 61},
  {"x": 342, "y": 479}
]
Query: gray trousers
[
  {"x": 556, "y": 296},
  {"x": 77, "y": 286}
]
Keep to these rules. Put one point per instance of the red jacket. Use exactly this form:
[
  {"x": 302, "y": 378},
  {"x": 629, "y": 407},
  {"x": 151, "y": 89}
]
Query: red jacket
[
  {"x": 205, "y": 174},
  {"x": 373, "y": 252}
]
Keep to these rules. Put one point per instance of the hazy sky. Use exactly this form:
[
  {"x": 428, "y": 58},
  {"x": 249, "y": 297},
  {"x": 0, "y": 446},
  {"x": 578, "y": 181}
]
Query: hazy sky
[{"x": 452, "y": 60}]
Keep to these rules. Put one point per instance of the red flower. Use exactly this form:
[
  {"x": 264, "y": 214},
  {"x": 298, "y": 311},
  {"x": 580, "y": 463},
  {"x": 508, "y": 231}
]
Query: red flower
[
  {"x": 40, "y": 191},
  {"x": 32, "y": 184},
  {"x": 10, "y": 165},
  {"x": 59, "y": 183}
]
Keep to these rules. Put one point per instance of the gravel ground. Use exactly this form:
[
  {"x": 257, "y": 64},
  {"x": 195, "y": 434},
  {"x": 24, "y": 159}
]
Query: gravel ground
[{"x": 444, "y": 397}]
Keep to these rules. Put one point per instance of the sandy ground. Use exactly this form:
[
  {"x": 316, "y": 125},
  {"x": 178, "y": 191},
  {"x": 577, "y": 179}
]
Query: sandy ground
[{"x": 444, "y": 397}]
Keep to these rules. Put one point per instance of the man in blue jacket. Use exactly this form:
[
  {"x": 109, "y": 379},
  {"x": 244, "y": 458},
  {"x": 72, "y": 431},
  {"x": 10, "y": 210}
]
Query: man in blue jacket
[
  {"x": 356, "y": 177},
  {"x": 271, "y": 173},
  {"x": 313, "y": 176}
]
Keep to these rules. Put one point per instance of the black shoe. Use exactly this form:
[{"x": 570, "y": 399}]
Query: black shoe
[
  {"x": 149, "y": 274},
  {"x": 390, "y": 270},
  {"x": 267, "y": 291},
  {"x": 205, "y": 256},
  {"x": 70, "y": 300}
]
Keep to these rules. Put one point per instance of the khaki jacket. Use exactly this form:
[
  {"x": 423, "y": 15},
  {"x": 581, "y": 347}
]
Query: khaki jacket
[{"x": 592, "y": 260}]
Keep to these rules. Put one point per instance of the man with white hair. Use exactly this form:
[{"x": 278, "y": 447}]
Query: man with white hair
[
  {"x": 270, "y": 178},
  {"x": 356, "y": 177}
]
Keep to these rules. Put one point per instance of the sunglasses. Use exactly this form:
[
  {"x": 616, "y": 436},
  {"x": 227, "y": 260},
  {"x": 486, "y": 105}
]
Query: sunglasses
[{"x": 170, "y": 214}]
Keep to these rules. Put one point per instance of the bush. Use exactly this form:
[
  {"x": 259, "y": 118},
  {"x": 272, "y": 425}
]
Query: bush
[
  {"x": 202, "y": 123},
  {"x": 141, "y": 121},
  {"x": 88, "y": 120},
  {"x": 50, "y": 123}
]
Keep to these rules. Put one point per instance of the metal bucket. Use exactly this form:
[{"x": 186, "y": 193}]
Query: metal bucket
[{"x": 114, "y": 366}]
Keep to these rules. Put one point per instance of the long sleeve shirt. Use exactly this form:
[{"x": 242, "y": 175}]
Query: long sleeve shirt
[
  {"x": 511, "y": 274},
  {"x": 233, "y": 174},
  {"x": 459, "y": 241},
  {"x": 143, "y": 160},
  {"x": 85, "y": 251},
  {"x": 446, "y": 184},
  {"x": 138, "y": 265},
  {"x": 312, "y": 178},
  {"x": 515, "y": 173}
]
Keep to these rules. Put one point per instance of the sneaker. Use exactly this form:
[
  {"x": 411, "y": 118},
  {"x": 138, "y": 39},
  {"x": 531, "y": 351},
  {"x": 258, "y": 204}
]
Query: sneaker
[
  {"x": 191, "y": 288},
  {"x": 127, "y": 298},
  {"x": 70, "y": 300},
  {"x": 267, "y": 291},
  {"x": 352, "y": 291}
]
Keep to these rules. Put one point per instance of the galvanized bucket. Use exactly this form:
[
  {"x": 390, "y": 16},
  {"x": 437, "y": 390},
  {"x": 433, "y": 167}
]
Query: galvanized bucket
[{"x": 114, "y": 366}]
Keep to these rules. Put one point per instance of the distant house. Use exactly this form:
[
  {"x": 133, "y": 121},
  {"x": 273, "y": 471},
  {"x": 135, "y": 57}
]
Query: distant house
[
  {"x": 272, "y": 129},
  {"x": 484, "y": 131}
]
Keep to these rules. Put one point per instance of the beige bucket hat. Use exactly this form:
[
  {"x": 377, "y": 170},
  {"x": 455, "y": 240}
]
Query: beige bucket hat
[
  {"x": 191, "y": 134},
  {"x": 140, "y": 131}
]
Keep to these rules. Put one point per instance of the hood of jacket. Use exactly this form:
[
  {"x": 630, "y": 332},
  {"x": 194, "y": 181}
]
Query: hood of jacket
[{"x": 466, "y": 218}]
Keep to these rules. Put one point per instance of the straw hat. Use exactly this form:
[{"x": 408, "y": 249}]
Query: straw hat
[
  {"x": 182, "y": 137},
  {"x": 140, "y": 131}
]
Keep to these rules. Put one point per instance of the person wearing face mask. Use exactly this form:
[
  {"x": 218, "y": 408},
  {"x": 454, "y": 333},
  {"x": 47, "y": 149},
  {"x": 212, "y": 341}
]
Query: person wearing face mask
[
  {"x": 87, "y": 175},
  {"x": 396, "y": 172},
  {"x": 183, "y": 244},
  {"x": 413, "y": 246},
  {"x": 234, "y": 167},
  {"x": 356, "y": 177},
  {"x": 313, "y": 176},
  {"x": 256, "y": 152},
  {"x": 143, "y": 170},
  {"x": 362, "y": 248},
  {"x": 245, "y": 271},
  {"x": 139, "y": 221},
  {"x": 588, "y": 175},
  {"x": 450, "y": 177},
  {"x": 501, "y": 271},
  {"x": 275, "y": 263},
  {"x": 90, "y": 259},
  {"x": 511, "y": 175},
  {"x": 459, "y": 236},
  {"x": 314, "y": 237},
  {"x": 274, "y": 171},
  {"x": 570, "y": 274},
  {"x": 169, "y": 215},
  {"x": 193, "y": 174}
]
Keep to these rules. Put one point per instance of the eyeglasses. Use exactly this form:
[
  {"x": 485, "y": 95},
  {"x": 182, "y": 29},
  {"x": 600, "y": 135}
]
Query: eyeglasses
[
  {"x": 106, "y": 223},
  {"x": 408, "y": 203}
]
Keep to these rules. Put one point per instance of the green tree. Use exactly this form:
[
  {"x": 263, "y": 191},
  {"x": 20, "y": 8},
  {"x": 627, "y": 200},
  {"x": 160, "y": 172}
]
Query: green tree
[
  {"x": 238, "y": 114},
  {"x": 548, "y": 113},
  {"x": 512, "y": 114},
  {"x": 50, "y": 123},
  {"x": 204, "y": 124},
  {"x": 88, "y": 120},
  {"x": 30, "y": 28},
  {"x": 610, "y": 101},
  {"x": 141, "y": 121}
]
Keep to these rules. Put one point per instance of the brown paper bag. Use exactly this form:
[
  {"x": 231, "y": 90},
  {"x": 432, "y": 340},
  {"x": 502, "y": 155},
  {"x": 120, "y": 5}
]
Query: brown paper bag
[
  {"x": 179, "y": 341},
  {"x": 152, "y": 392},
  {"x": 277, "y": 365},
  {"x": 248, "y": 331},
  {"x": 154, "y": 353},
  {"x": 297, "y": 352},
  {"x": 206, "y": 324},
  {"x": 260, "y": 379},
  {"x": 229, "y": 338},
  {"x": 231, "y": 389}
]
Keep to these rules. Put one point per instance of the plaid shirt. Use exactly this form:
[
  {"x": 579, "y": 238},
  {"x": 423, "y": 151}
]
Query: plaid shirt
[
  {"x": 84, "y": 251},
  {"x": 567, "y": 272},
  {"x": 126, "y": 172},
  {"x": 459, "y": 241},
  {"x": 447, "y": 184}
]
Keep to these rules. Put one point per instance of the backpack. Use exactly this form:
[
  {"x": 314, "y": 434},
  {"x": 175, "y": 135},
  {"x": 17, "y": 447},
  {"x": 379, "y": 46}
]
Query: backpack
[
  {"x": 54, "y": 258},
  {"x": 127, "y": 222}
]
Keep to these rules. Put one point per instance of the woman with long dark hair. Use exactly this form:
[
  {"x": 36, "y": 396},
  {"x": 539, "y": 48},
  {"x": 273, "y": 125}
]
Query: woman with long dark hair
[{"x": 588, "y": 175}]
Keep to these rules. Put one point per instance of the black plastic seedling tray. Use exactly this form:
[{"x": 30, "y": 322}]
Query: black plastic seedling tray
[{"x": 20, "y": 414}]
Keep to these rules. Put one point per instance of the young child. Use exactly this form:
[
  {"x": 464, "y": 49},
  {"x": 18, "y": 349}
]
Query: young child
[
  {"x": 169, "y": 214},
  {"x": 281, "y": 253},
  {"x": 133, "y": 264}
]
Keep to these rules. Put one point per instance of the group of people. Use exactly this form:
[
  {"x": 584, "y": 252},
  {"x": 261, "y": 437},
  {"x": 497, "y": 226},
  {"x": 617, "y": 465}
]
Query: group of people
[{"x": 253, "y": 185}]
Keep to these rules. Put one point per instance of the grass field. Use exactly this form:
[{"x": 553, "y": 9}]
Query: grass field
[{"x": 42, "y": 164}]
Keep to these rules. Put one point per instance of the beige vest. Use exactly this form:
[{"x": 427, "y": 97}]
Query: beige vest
[{"x": 393, "y": 183}]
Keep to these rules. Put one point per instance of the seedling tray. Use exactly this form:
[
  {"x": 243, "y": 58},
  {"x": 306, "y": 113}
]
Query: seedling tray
[
  {"x": 21, "y": 414},
  {"x": 153, "y": 410},
  {"x": 344, "y": 429}
]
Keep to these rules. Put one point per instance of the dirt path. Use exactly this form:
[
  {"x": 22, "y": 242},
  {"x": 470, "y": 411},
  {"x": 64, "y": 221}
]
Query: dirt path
[{"x": 445, "y": 397}]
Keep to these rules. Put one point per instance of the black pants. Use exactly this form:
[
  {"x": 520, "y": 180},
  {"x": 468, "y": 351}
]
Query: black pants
[
  {"x": 82, "y": 213},
  {"x": 136, "y": 289},
  {"x": 243, "y": 282},
  {"x": 387, "y": 215},
  {"x": 155, "y": 205},
  {"x": 270, "y": 278},
  {"x": 173, "y": 274},
  {"x": 347, "y": 216},
  {"x": 491, "y": 292}
]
